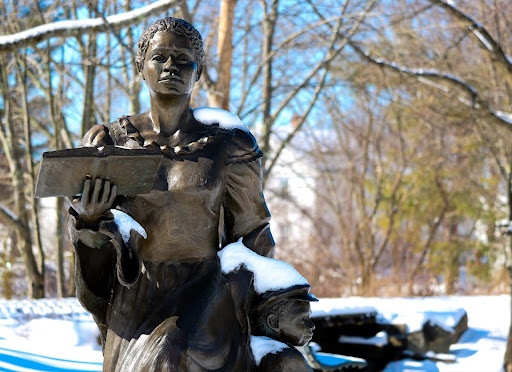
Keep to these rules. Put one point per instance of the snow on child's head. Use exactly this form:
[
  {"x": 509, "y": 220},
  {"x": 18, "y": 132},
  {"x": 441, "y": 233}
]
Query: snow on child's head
[{"x": 281, "y": 308}]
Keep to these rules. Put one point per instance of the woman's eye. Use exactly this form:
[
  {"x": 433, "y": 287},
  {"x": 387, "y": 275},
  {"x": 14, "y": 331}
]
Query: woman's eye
[
  {"x": 183, "y": 58},
  {"x": 159, "y": 58}
]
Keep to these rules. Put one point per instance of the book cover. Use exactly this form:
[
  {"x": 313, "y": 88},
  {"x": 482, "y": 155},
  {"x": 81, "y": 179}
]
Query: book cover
[{"x": 63, "y": 172}]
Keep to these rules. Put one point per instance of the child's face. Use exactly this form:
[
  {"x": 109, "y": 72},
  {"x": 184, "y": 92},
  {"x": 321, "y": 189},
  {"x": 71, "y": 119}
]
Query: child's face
[{"x": 296, "y": 327}]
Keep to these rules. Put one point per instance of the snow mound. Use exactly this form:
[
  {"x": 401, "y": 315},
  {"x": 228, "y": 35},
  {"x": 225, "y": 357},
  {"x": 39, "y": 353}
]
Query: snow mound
[
  {"x": 225, "y": 119},
  {"x": 262, "y": 346},
  {"x": 414, "y": 313},
  {"x": 22, "y": 310},
  {"x": 379, "y": 340},
  {"x": 269, "y": 274},
  {"x": 126, "y": 224}
]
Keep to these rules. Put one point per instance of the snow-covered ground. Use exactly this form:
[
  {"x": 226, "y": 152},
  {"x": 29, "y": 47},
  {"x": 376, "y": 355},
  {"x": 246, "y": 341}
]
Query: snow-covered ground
[
  {"x": 480, "y": 349},
  {"x": 58, "y": 335},
  {"x": 48, "y": 335}
]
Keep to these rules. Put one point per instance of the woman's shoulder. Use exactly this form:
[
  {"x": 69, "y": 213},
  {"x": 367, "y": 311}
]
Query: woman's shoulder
[
  {"x": 241, "y": 146},
  {"x": 98, "y": 135},
  {"x": 120, "y": 132}
]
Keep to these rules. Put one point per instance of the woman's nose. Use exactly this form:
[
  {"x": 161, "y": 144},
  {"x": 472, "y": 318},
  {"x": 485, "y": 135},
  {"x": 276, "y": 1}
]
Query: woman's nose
[{"x": 169, "y": 65}]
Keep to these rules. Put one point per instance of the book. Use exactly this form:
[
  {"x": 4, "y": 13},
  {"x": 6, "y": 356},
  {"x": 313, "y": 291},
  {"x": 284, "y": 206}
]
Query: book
[{"x": 63, "y": 172}]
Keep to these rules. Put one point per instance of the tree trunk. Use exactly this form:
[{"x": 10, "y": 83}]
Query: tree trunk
[
  {"x": 220, "y": 97},
  {"x": 269, "y": 24},
  {"x": 90, "y": 72},
  {"x": 14, "y": 156},
  {"x": 508, "y": 353},
  {"x": 59, "y": 235}
]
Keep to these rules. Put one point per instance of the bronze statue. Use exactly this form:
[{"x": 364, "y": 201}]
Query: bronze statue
[
  {"x": 284, "y": 316},
  {"x": 146, "y": 264},
  {"x": 277, "y": 307},
  {"x": 147, "y": 294}
]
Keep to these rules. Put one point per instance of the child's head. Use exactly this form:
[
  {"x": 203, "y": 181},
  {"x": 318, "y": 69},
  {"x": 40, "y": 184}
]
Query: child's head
[{"x": 285, "y": 316}]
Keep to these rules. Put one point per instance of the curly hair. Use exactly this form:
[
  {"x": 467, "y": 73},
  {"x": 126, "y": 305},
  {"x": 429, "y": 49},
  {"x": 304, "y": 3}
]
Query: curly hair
[
  {"x": 178, "y": 26},
  {"x": 258, "y": 317}
]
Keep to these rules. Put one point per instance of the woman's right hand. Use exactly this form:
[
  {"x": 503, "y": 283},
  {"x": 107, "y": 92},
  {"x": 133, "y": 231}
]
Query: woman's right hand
[{"x": 97, "y": 198}]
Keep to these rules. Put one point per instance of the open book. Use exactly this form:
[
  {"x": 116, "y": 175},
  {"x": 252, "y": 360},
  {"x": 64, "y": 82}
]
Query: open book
[{"x": 63, "y": 172}]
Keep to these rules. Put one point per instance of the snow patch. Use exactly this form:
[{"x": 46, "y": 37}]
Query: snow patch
[
  {"x": 481, "y": 347},
  {"x": 262, "y": 346},
  {"x": 126, "y": 224},
  {"x": 483, "y": 40},
  {"x": 380, "y": 339},
  {"x": 269, "y": 274},
  {"x": 331, "y": 308},
  {"x": 505, "y": 116},
  {"x": 414, "y": 314},
  {"x": 50, "y": 28},
  {"x": 8, "y": 212},
  {"x": 225, "y": 119}
]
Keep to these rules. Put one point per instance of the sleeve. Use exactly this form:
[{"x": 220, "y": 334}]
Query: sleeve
[
  {"x": 245, "y": 212},
  {"x": 102, "y": 256}
]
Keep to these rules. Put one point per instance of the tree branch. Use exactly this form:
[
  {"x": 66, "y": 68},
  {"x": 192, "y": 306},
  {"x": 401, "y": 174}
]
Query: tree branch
[
  {"x": 82, "y": 26},
  {"x": 8, "y": 217},
  {"x": 479, "y": 32},
  {"x": 427, "y": 76}
]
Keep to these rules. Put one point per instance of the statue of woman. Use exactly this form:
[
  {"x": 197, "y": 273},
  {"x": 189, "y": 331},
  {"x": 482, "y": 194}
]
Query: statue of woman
[{"x": 156, "y": 291}]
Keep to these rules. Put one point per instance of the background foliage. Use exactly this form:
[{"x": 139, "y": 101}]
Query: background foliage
[{"x": 393, "y": 112}]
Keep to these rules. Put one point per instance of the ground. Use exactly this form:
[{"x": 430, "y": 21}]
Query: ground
[{"x": 58, "y": 335}]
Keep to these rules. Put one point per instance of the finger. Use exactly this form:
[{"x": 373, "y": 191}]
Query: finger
[
  {"x": 86, "y": 197},
  {"x": 96, "y": 190},
  {"x": 113, "y": 194},
  {"x": 106, "y": 191},
  {"x": 74, "y": 202}
]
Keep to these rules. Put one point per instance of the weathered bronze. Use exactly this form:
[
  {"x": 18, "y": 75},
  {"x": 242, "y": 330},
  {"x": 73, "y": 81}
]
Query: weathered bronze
[
  {"x": 154, "y": 285},
  {"x": 63, "y": 172},
  {"x": 285, "y": 316}
]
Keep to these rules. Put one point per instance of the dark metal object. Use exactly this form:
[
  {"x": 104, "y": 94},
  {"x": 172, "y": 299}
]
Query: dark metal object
[
  {"x": 420, "y": 345},
  {"x": 162, "y": 303},
  {"x": 62, "y": 172}
]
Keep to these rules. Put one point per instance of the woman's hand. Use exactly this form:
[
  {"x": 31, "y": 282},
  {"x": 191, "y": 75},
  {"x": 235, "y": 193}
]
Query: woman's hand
[{"x": 97, "y": 198}]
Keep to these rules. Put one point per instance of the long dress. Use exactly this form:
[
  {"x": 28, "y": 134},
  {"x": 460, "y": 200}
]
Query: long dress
[{"x": 161, "y": 303}]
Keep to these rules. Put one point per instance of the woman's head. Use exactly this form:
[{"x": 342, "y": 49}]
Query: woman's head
[{"x": 178, "y": 26}]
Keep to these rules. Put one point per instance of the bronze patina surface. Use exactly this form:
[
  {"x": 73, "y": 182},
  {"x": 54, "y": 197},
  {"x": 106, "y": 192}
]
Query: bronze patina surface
[
  {"x": 62, "y": 172},
  {"x": 156, "y": 290}
]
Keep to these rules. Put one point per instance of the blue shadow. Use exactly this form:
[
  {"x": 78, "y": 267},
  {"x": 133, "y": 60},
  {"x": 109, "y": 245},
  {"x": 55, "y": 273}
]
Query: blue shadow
[
  {"x": 26, "y": 362},
  {"x": 473, "y": 335}
]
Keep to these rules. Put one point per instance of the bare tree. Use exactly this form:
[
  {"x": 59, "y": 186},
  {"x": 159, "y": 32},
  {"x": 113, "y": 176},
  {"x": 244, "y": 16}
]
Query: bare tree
[
  {"x": 465, "y": 59},
  {"x": 25, "y": 81}
]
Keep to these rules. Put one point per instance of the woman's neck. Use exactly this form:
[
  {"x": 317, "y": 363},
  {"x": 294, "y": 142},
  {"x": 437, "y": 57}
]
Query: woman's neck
[{"x": 170, "y": 115}]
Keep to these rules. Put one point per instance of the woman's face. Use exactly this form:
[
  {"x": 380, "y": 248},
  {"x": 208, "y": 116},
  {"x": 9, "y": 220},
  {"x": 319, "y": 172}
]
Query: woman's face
[{"x": 169, "y": 66}]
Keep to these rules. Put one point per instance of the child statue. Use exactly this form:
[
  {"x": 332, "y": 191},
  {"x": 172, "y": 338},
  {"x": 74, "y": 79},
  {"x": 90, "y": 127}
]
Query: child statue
[{"x": 277, "y": 307}]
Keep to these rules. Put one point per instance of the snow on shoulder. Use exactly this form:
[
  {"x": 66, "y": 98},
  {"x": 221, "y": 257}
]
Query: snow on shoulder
[
  {"x": 126, "y": 224},
  {"x": 262, "y": 346},
  {"x": 225, "y": 119},
  {"x": 269, "y": 274}
]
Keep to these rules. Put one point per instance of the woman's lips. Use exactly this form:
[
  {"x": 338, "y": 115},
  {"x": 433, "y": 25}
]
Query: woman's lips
[{"x": 171, "y": 78}]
